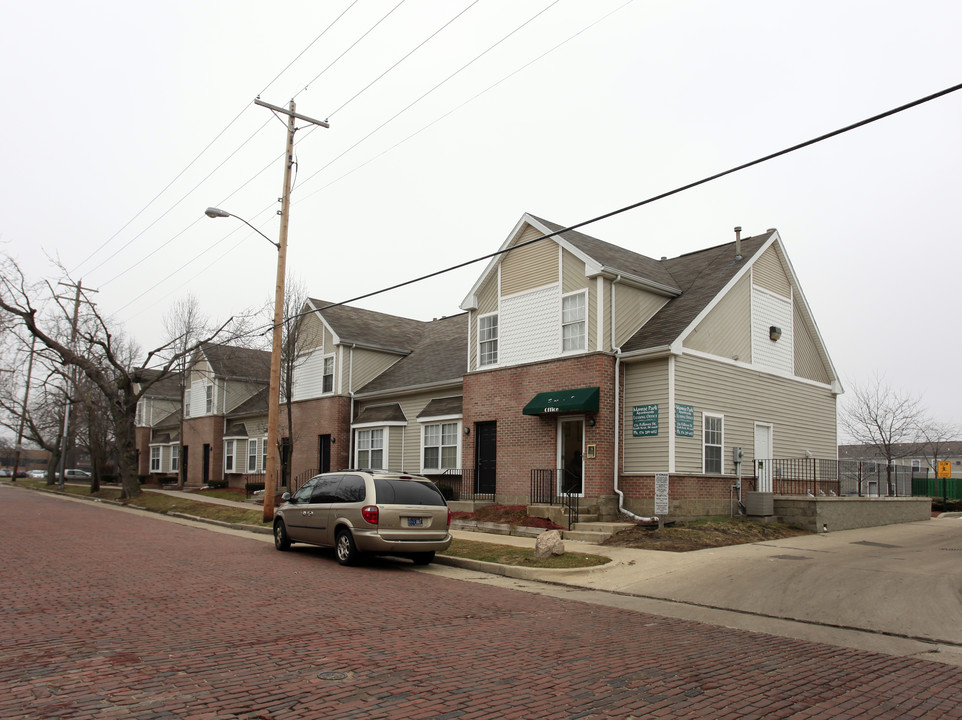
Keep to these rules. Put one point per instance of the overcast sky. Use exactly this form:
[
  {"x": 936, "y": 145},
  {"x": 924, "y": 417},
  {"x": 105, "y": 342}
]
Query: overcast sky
[{"x": 565, "y": 109}]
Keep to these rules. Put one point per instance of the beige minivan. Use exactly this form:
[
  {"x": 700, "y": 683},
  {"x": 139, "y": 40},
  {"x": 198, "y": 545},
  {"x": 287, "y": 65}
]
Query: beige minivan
[{"x": 366, "y": 511}]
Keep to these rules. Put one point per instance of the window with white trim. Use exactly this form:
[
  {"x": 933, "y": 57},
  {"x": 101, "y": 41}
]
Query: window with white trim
[
  {"x": 175, "y": 458},
  {"x": 264, "y": 454},
  {"x": 252, "y": 455},
  {"x": 228, "y": 455},
  {"x": 139, "y": 420},
  {"x": 714, "y": 438},
  {"x": 209, "y": 407},
  {"x": 488, "y": 339},
  {"x": 186, "y": 403},
  {"x": 916, "y": 466},
  {"x": 328, "y": 377},
  {"x": 155, "y": 459},
  {"x": 370, "y": 448},
  {"x": 440, "y": 446},
  {"x": 573, "y": 326}
]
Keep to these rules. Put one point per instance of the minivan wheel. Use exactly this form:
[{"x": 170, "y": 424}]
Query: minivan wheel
[
  {"x": 345, "y": 549},
  {"x": 282, "y": 540},
  {"x": 423, "y": 558}
]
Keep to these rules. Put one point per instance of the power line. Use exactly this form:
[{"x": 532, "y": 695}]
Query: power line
[{"x": 660, "y": 196}]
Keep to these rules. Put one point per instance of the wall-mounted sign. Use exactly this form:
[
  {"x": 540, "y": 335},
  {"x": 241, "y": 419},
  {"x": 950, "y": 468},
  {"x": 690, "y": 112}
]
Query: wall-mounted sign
[
  {"x": 684, "y": 420},
  {"x": 591, "y": 451},
  {"x": 644, "y": 420}
]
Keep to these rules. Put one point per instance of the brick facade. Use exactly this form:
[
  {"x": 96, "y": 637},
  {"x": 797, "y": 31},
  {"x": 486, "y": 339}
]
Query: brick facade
[
  {"x": 529, "y": 442},
  {"x": 197, "y": 433},
  {"x": 142, "y": 443},
  {"x": 312, "y": 418}
]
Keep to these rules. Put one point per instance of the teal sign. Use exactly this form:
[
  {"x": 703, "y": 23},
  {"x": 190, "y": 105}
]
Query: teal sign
[
  {"x": 644, "y": 420},
  {"x": 684, "y": 420}
]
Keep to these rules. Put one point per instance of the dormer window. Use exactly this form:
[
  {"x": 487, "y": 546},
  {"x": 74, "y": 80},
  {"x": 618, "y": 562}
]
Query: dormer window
[
  {"x": 488, "y": 340},
  {"x": 573, "y": 313}
]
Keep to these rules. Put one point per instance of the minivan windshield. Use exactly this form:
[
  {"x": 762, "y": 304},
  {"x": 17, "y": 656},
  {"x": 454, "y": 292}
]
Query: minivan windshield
[{"x": 406, "y": 492}]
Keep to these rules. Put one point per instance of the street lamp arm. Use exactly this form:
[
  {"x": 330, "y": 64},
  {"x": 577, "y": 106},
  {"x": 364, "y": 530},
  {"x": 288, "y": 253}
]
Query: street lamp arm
[{"x": 213, "y": 212}]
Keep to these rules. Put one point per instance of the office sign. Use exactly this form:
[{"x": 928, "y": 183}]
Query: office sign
[
  {"x": 644, "y": 420},
  {"x": 684, "y": 420}
]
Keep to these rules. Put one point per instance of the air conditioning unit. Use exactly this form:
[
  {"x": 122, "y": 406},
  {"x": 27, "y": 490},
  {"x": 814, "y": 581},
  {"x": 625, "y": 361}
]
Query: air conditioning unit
[{"x": 759, "y": 504}]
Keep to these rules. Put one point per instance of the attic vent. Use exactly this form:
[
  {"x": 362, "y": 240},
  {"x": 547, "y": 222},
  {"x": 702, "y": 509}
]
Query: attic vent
[{"x": 738, "y": 242}]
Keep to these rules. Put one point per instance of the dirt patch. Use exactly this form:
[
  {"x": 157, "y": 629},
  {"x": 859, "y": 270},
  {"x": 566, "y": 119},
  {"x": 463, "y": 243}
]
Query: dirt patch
[
  {"x": 701, "y": 534},
  {"x": 506, "y": 514}
]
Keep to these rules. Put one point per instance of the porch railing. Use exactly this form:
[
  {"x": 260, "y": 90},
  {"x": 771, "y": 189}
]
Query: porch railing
[
  {"x": 459, "y": 484},
  {"x": 298, "y": 480},
  {"x": 822, "y": 477},
  {"x": 542, "y": 490}
]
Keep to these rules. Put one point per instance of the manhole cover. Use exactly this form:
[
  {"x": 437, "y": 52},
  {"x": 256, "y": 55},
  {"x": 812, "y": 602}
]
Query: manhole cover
[{"x": 332, "y": 675}]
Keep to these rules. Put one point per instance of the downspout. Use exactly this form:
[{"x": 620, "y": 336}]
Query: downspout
[
  {"x": 350, "y": 391},
  {"x": 617, "y": 423}
]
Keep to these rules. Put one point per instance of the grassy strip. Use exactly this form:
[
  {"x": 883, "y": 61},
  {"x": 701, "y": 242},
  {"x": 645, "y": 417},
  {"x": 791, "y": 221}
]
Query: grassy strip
[{"x": 520, "y": 556}]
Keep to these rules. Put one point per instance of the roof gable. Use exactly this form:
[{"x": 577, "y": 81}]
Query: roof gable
[
  {"x": 375, "y": 330},
  {"x": 238, "y": 363}
]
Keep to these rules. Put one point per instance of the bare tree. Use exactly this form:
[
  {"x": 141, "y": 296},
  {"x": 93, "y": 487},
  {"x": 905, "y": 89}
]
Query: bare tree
[
  {"x": 884, "y": 419},
  {"x": 108, "y": 368},
  {"x": 936, "y": 437}
]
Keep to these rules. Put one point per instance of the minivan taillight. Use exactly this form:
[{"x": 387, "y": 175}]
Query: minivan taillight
[
  {"x": 370, "y": 514},
  {"x": 449, "y": 517}
]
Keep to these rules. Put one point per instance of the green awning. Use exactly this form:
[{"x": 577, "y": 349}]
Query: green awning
[{"x": 580, "y": 400}]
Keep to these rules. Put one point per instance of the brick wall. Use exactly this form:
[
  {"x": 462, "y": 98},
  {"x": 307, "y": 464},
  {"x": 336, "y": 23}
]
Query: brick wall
[
  {"x": 142, "y": 442},
  {"x": 688, "y": 495},
  {"x": 322, "y": 416},
  {"x": 197, "y": 432},
  {"x": 527, "y": 442}
]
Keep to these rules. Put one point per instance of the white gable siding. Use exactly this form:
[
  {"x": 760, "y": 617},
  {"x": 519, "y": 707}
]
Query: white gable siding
[
  {"x": 198, "y": 398},
  {"x": 767, "y": 310},
  {"x": 309, "y": 376},
  {"x": 530, "y": 327}
]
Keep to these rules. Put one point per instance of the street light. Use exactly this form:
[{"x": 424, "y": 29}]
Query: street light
[
  {"x": 274, "y": 389},
  {"x": 213, "y": 212}
]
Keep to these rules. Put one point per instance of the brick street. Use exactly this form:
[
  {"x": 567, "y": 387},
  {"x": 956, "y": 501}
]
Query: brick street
[{"x": 111, "y": 614}]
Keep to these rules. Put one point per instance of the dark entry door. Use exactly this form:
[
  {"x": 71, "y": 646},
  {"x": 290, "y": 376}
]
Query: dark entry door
[
  {"x": 183, "y": 464},
  {"x": 323, "y": 453},
  {"x": 486, "y": 454},
  {"x": 206, "y": 464}
]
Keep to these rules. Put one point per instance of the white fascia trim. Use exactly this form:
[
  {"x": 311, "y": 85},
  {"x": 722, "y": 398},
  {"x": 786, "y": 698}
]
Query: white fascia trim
[
  {"x": 797, "y": 292},
  {"x": 470, "y": 301},
  {"x": 388, "y": 423},
  {"x": 724, "y": 291},
  {"x": 440, "y": 419},
  {"x": 761, "y": 370},
  {"x": 547, "y": 286},
  {"x": 649, "y": 353},
  {"x": 454, "y": 384},
  {"x": 640, "y": 282}
]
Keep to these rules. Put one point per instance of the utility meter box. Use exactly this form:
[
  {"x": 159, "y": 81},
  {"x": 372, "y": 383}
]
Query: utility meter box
[{"x": 737, "y": 455}]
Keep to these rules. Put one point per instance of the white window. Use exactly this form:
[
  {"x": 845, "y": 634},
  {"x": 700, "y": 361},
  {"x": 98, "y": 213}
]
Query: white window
[
  {"x": 263, "y": 454},
  {"x": 573, "y": 322},
  {"x": 916, "y": 466},
  {"x": 370, "y": 448},
  {"x": 252, "y": 455},
  {"x": 228, "y": 455},
  {"x": 714, "y": 440},
  {"x": 174, "y": 458},
  {"x": 186, "y": 403},
  {"x": 139, "y": 420},
  {"x": 328, "y": 379},
  {"x": 488, "y": 340},
  {"x": 209, "y": 389},
  {"x": 441, "y": 446},
  {"x": 155, "y": 459}
]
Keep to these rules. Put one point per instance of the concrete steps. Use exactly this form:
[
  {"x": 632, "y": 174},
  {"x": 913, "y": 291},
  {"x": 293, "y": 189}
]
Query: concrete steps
[{"x": 593, "y": 531}]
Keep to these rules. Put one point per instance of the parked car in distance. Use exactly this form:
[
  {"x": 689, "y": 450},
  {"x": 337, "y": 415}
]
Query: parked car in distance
[
  {"x": 37, "y": 474},
  {"x": 75, "y": 474},
  {"x": 366, "y": 511},
  {"x": 6, "y": 473}
]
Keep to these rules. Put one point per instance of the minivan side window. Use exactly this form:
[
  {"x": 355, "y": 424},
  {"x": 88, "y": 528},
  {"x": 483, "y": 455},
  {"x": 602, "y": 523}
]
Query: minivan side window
[
  {"x": 303, "y": 494},
  {"x": 406, "y": 492},
  {"x": 325, "y": 490},
  {"x": 351, "y": 489}
]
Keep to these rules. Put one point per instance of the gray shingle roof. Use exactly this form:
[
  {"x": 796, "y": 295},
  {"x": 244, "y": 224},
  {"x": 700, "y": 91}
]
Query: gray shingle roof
[
  {"x": 440, "y": 407},
  {"x": 700, "y": 276},
  {"x": 167, "y": 387},
  {"x": 239, "y": 363},
  {"x": 370, "y": 328},
  {"x": 254, "y": 405},
  {"x": 439, "y": 355},
  {"x": 388, "y": 412}
]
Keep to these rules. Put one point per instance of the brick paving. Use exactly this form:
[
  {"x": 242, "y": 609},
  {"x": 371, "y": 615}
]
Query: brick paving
[{"x": 116, "y": 615}]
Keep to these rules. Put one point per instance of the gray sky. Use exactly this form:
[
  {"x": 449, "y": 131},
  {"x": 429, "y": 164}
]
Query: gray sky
[{"x": 586, "y": 108}]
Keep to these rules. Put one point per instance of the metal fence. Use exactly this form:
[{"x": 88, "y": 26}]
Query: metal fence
[
  {"x": 820, "y": 477},
  {"x": 459, "y": 484},
  {"x": 542, "y": 490}
]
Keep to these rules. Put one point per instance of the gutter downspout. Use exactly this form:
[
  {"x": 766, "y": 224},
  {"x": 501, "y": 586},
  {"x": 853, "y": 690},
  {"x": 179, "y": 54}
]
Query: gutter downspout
[
  {"x": 350, "y": 391},
  {"x": 617, "y": 423}
]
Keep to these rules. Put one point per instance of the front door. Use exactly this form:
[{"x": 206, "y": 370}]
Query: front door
[
  {"x": 571, "y": 462},
  {"x": 206, "y": 464},
  {"x": 763, "y": 456},
  {"x": 486, "y": 453},
  {"x": 183, "y": 464},
  {"x": 323, "y": 453}
]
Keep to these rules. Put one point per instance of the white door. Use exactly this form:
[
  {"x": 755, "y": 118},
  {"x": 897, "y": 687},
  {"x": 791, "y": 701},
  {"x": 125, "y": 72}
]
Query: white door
[{"x": 763, "y": 456}]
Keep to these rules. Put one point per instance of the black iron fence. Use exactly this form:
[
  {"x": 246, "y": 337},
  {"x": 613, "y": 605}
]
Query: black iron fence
[
  {"x": 459, "y": 484},
  {"x": 820, "y": 477},
  {"x": 543, "y": 490}
]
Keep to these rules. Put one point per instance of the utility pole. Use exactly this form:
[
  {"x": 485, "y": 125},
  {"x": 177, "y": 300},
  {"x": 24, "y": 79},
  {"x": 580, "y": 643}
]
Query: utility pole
[
  {"x": 274, "y": 389},
  {"x": 23, "y": 412},
  {"x": 71, "y": 381}
]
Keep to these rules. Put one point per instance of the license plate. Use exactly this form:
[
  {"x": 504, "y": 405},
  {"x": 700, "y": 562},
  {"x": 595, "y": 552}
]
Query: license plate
[{"x": 415, "y": 522}]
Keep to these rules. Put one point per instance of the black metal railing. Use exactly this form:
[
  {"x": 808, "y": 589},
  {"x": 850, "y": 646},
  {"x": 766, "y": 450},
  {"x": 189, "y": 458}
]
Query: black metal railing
[
  {"x": 298, "y": 480},
  {"x": 542, "y": 490},
  {"x": 459, "y": 484},
  {"x": 822, "y": 477}
]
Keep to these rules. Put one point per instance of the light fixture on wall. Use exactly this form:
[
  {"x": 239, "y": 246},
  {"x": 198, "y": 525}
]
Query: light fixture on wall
[
  {"x": 591, "y": 422},
  {"x": 774, "y": 333},
  {"x": 467, "y": 431}
]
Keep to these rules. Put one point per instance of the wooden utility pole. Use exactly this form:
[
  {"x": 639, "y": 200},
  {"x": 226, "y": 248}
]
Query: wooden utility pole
[{"x": 274, "y": 389}]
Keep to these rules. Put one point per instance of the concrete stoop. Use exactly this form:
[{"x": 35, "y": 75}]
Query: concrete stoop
[{"x": 594, "y": 532}]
